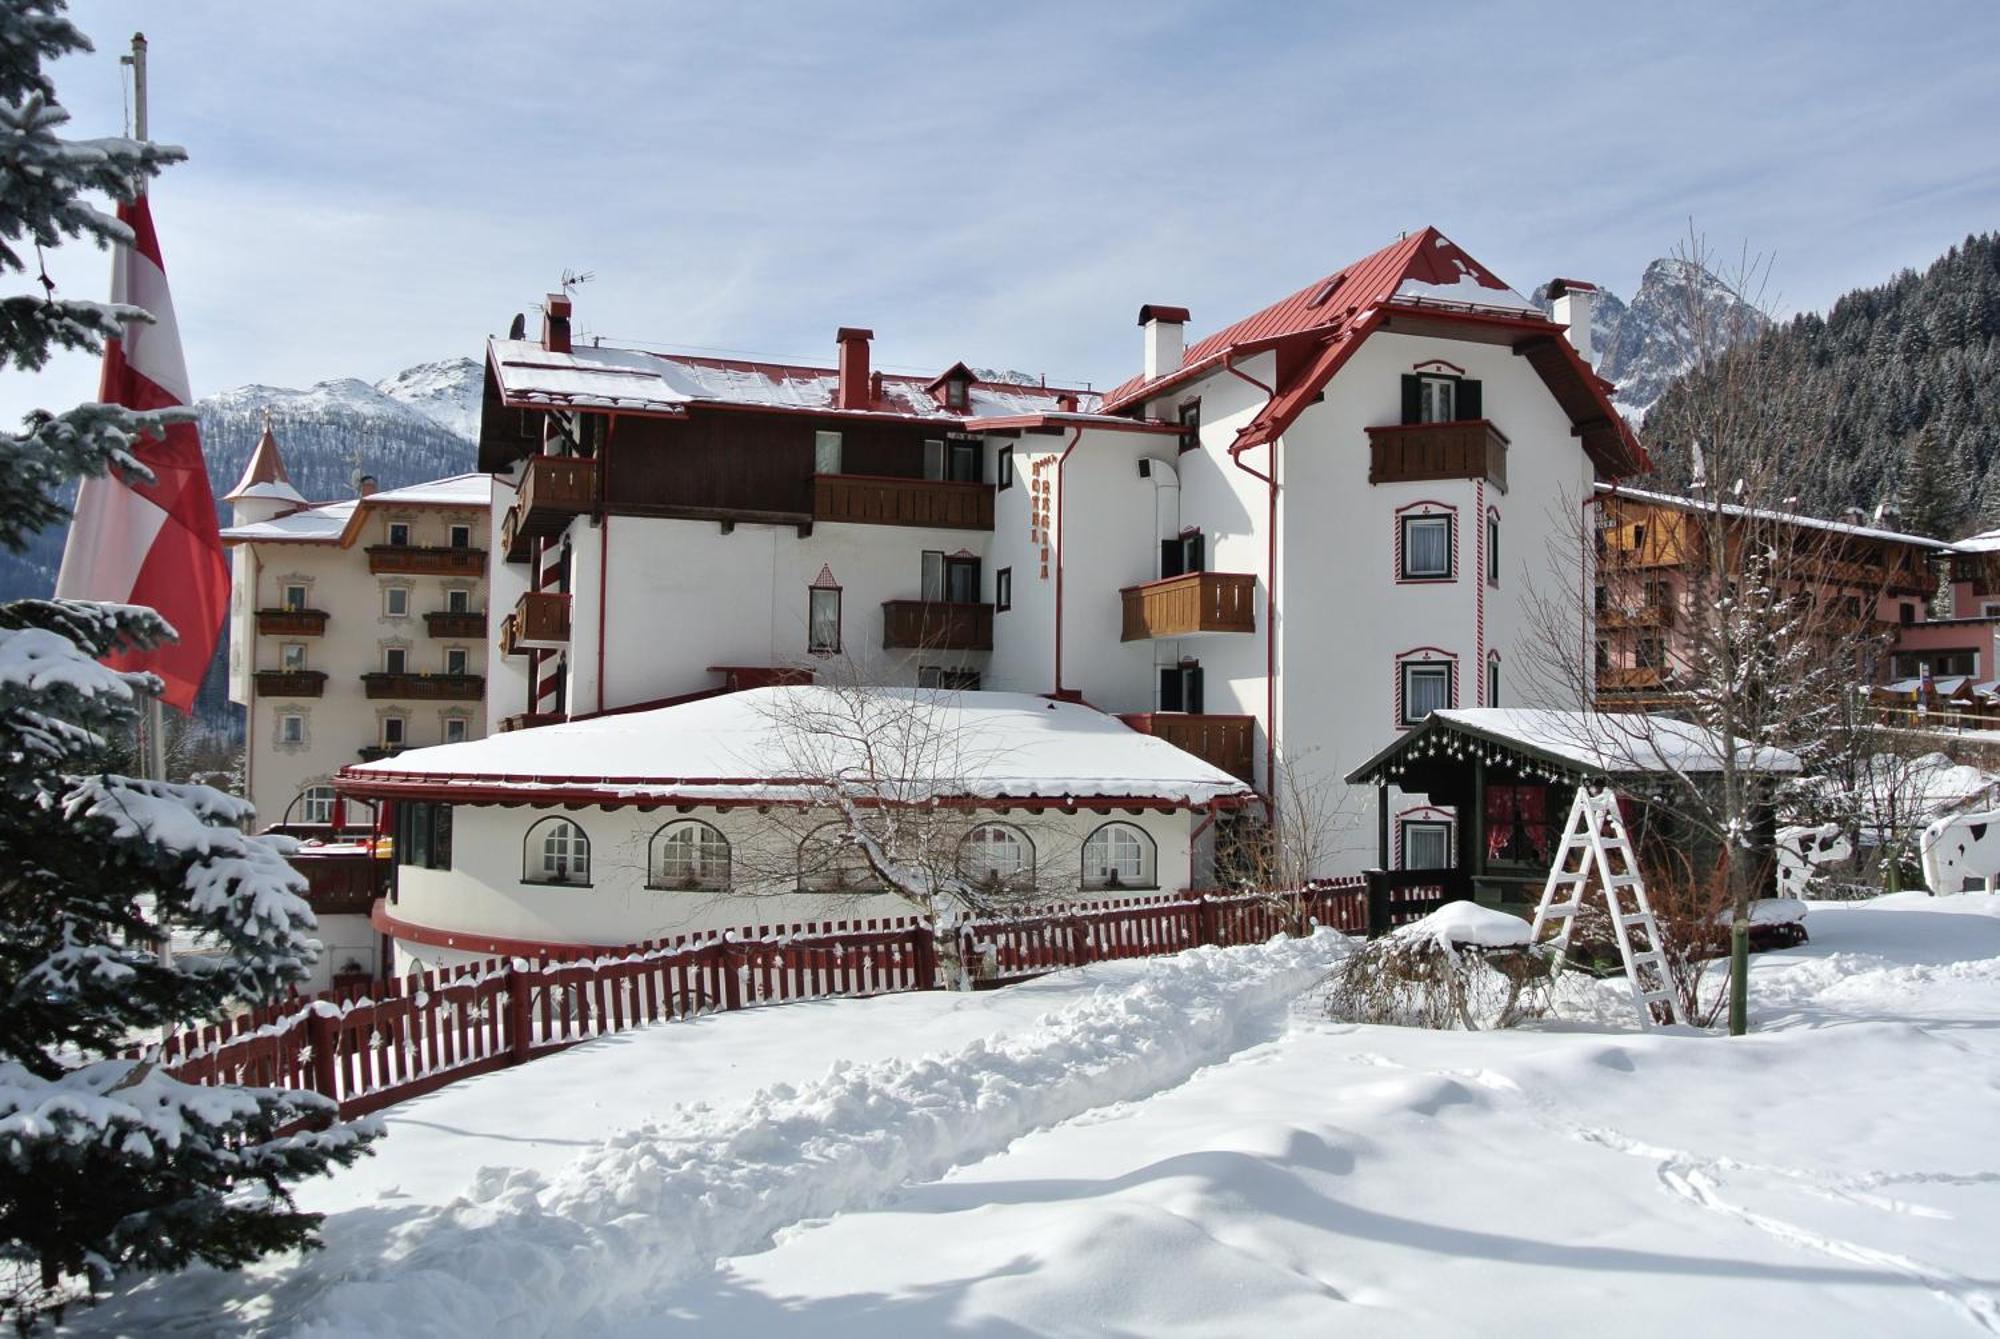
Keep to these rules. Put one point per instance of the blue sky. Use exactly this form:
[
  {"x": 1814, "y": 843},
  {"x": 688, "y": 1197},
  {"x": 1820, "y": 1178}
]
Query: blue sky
[{"x": 374, "y": 185}]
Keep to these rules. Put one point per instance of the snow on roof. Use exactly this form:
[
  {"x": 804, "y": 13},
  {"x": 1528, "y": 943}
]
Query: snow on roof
[
  {"x": 1608, "y": 743},
  {"x": 1786, "y": 517},
  {"x": 323, "y": 523},
  {"x": 1986, "y": 541},
  {"x": 634, "y": 379},
  {"x": 283, "y": 492},
  {"x": 459, "y": 490},
  {"x": 743, "y": 746},
  {"x": 1466, "y": 291}
]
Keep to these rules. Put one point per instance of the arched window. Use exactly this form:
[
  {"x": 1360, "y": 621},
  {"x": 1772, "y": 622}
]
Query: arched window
[
  {"x": 1118, "y": 855},
  {"x": 831, "y": 862},
  {"x": 688, "y": 854},
  {"x": 315, "y": 804},
  {"x": 997, "y": 855},
  {"x": 556, "y": 852}
]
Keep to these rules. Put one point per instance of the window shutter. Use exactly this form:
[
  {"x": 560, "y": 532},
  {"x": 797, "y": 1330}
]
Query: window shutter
[
  {"x": 1413, "y": 410},
  {"x": 1171, "y": 563},
  {"x": 1170, "y": 690},
  {"x": 1469, "y": 406},
  {"x": 1191, "y": 693}
]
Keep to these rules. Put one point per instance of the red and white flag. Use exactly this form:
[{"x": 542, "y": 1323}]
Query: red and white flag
[{"x": 152, "y": 542}]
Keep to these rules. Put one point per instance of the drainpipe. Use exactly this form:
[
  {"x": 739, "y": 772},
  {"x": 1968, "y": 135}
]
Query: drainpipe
[
  {"x": 603, "y": 550},
  {"x": 1270, "y": 595},
  {"x": 1062, "y": 516},
  {"x": 1585, "y": 606}
]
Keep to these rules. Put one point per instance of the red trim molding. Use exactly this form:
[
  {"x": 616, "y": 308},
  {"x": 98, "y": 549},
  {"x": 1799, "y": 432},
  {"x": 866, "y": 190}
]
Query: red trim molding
[{"x": 1426, "y": 507}]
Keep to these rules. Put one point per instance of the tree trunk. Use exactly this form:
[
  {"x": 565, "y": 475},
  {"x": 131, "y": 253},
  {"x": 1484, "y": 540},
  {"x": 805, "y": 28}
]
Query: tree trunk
[
  {"x": 953, "y": 970},
  {"x": 1740, "y": 873}
]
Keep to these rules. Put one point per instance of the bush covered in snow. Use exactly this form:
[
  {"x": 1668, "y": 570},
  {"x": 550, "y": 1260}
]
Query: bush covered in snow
[{"x": 1464, "y": 966}]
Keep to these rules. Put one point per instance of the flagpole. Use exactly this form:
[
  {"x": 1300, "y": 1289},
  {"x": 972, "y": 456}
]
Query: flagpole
[{"x": 153, "y": 724}]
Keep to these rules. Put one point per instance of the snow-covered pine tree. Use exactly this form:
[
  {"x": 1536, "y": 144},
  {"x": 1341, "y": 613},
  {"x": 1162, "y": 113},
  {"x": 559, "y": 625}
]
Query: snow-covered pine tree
[
  {"x": 108, "y": 1165},
  {"x": 1935, "y": 488}
]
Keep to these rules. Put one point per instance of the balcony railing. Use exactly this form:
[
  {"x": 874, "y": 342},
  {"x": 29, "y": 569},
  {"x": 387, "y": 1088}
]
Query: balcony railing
[
  {"x": 455, "y": 623},
  {"x": 1193, "y": 603},
  {"x": 540, "y": 621},
  {"x": 1415, "y": 452},
  {"x": 291, "y": 622},
  {"x": 291, "y": 683},
  {"x": 426, "y": 560},
  {"x": 878, "y": 501},
  {"x": 528, "y": 720},
  {"x": 1627, "y": 679},
  {"x": 1220, "y": 741},
  {"x": 425, "y": 687},
  {"x": 553, "y": 489},
  {"x": 377, "y": 752},
  {"x": 936, "y": 625},
  {"x": 1642, "y": 616}
]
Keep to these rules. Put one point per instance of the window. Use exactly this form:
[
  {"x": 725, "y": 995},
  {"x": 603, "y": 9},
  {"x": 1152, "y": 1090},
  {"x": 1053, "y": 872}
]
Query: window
[
  {"x": 948, "y": 678},
  {"x": 454, "y": 660},
  {"x": 556, "y": 852},
  {"x": 1906, "y": 613},
  {"x": 1003, "y": 590},
  {"x": 950, "y": 578},
  {"x": 691, "y": 855},
  {"x": 1003, "y": 469},
  {"x": 395, "y": 731},
  {"x": 1118, "y": 855},
  {"x": 291, "y": 728},
  {"x": 826, "y": 453},
  {"x": 1426, "y": 688},
  {"x": 1646, "y": 653},
  {"x": 1492, "y": 548},
  {"x": 292, "y": 656},
  {"x": 997, "y": 855},
  {"x": 454, "y": 729},
  {"x": 1186, "y": 554},
  {"x": 316, "y": 804},
  {"x": 955, "y": 393},
  {"x": 399, "y": 534},
  {"x": 1180, "y": 688},
  {"x": 1430, "y": 397},
  {"x": 1493, "y": 681},
  {"x": 458, "y": 602},
  {"x": 823, "y": 620},
  {"x": 396, "y": 601},
  {"x": 1603, "y": 655},
  {"x": 423, "y": 834},
  {"x": 1659, "y": 594},
  {"x": 934, "y": 458},
  {"x": 395, "y": 660},
  {"x": 1189, "y": 416},
  {"x": 461, "y": 536},
  {"x": 1426, "y": 548},
  {"x": 1602, "y": 601},
  {"x": 295, "y": 597},
  {"x": 962, "y": 461},
  {"x": 830, "y": 862},
  {"x": 1426, "y": 844}
]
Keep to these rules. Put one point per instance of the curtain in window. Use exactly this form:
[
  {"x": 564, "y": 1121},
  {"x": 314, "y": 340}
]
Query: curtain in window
[
  {"x": 1427, "y": 547},
  {"x": 1426, "y": 688},
  {"x": 930, "y": 586},
  {"x": 823, "y": 631},
  {"x": 1426, "y": 846}
]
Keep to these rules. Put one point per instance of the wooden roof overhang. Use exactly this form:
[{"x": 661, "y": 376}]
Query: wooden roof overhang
[{"x": 1437, "y": 747}]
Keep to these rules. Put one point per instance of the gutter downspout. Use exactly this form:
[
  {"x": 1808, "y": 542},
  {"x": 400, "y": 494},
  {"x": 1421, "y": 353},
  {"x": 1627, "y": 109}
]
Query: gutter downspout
[
  {"x": 1270, "y": 595},
  {"x": 1585, "y": 606},
  {"x": 1062, "y": 517},
  {"x": 603, "y": 550}
]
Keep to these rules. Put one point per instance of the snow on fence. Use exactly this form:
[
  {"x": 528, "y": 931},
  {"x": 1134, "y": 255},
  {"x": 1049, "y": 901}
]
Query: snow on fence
[{"x": 377, "y": 1045}]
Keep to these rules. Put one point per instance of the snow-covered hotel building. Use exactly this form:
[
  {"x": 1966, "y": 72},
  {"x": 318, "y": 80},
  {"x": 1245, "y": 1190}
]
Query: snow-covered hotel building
[{"x": 1274, "y": 547}]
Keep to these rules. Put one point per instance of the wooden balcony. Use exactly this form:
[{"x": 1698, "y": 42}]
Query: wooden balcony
[
  {"x": 1183, "y": 606},
  {"x": 553, "y": 490},
  {"x": 933, "y": 625},
  {"x": 291, "y": 683},
  {"x": 377, "y": 752},
  {"x": 426, "y": 560},
  {"x": 425, "y": 687},
  {"x": 1628, "y": 680},
  {"x": 291, "y": 622},
  {"x": 540, "y": 621},
  {"x": 528, "y": 720},
  {"x": 877, "y": 501},
  {"x": 447, "y": 623},
  {"x": 1416, "y": 452},
  {"x": 1221, "y": 741},
  {"x": 1644, "y": 616}
]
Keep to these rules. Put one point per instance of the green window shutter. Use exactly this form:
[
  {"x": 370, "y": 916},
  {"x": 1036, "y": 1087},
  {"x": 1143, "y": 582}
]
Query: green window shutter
[
  {"x": 1468, "y": 405},
  {"x": 1412, "y": 399}
]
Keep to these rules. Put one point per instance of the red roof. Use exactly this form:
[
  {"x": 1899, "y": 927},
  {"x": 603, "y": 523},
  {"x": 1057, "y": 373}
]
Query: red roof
[{"x": 1320, "y": 326}]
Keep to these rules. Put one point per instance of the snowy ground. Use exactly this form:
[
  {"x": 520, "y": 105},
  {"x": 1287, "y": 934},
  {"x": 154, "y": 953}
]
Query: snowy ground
[{"x": 1178, "y": 1147}]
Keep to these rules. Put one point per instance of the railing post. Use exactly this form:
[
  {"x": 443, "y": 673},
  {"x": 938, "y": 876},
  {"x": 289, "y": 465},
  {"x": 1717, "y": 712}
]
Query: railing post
[
  {"x": 322, "y": 1029},
  {"x": 520, "y": 1013},
  {"x": 924, "y": 940},
  {"x": 1378, "y": 903},
  {"x": 1207, "y": 922},
  {"x": 1079, "y": 941},
  {"x": 730, "y": 956}
]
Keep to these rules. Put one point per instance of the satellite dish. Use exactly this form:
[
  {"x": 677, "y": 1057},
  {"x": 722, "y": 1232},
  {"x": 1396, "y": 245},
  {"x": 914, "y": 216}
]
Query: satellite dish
[{"x": 519, "y": 330}]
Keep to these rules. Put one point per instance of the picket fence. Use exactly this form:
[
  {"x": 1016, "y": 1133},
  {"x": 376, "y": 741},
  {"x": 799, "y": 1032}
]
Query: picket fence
[{"x": 368, "y": 1047}]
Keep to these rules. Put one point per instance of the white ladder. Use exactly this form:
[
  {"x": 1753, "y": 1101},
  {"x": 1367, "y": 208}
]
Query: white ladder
[{"x": 1595, "y": 842}]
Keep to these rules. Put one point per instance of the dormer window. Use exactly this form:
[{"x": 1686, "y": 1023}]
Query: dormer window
[
  {"x": 953, "y": 388},
  {"x": 956, "y": 394}
]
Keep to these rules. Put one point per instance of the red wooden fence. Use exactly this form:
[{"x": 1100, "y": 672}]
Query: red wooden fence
[{"x": 371, "y": 1046}]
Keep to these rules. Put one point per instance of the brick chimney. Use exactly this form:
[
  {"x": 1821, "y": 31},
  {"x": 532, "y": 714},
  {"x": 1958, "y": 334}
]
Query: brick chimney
[
  {"x": 853, "y": 389},
  {"x": 1571, "y": 301},
  {"x": 1166, "y": 341},
  {"x": 555, "y": 323}
]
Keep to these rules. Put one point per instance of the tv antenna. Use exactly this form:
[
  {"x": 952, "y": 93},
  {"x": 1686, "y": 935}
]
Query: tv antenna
[{"x": 574, "y": 279}]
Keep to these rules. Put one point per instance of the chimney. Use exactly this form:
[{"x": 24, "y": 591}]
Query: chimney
[
  {"x": 555, "y": 323},
  {"x": 852, "y": 390},
  {"x": 1165, "y": 329},
  {"x": 1573, "y": 299},
  {"x": 1067, "y": 402},
  {"x": 365, "y": 485}
]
